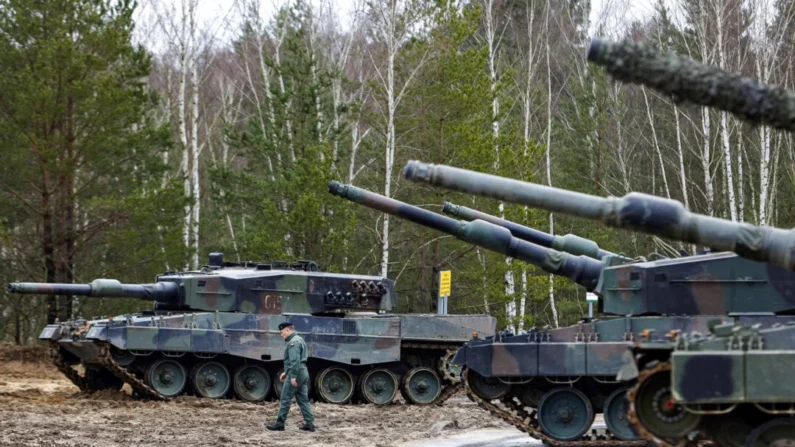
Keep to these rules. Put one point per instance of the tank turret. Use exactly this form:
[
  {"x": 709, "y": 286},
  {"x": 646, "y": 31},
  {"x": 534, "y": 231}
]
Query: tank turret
[
  {"x": 635, "y": 211},
  {"x": 272, "y": 288},
  {"x": 569, "y": 243},
  {"x": 709, "y": 284},
  {"x": 580, "y": 269}
]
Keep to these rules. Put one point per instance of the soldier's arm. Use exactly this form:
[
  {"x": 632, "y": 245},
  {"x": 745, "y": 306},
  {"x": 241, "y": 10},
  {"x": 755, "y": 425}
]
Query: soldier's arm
[
  {"x": 291, "y": 362},
  {"x": 304, "y": 352}
]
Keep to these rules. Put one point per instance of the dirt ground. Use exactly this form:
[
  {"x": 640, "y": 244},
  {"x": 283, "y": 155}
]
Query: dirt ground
[{"x": 39, "y": 407}]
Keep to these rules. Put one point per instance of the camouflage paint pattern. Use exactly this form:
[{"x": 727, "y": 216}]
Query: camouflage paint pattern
[
  {"x": 359, "y": 341},
  {"x": 745, "y": 364},
  {"x": 687, "y": 80},
  {"x": 710, "y": 284},
  {"x": 249, "y": 290},
  {"x": 705, "y": 287},
  {"x": 593, "y": 348},
  {"x": 635, "y": 211},
  {"x": 235, "y": 310}
]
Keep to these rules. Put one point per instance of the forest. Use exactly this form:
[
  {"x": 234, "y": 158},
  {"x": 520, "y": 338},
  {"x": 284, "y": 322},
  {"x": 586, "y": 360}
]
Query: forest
[{"x": 138, "y": 138}]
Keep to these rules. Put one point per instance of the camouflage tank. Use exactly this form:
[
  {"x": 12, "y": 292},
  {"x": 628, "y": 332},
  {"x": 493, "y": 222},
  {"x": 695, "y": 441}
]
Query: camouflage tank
[
  {"x": 739, "y": 374},
  {"x": 729, "y": 384},
  {"x": 568, "y": 375},
  {"x": 214, "y": 333}
]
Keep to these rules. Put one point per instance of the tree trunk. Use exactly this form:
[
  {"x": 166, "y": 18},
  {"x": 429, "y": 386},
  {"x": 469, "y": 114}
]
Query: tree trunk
[
  {"x": 549, "y": 163},
  {"x": 724, "y": 119},
  {"x": 656, "y": 144},
  {"x": 195, "y": 149},
  {"x": 69, "y": 205},
  {"x": 705, "y": 162},
  {"x": 48, "y": 244},
  {"x": 183, "y": 126}
]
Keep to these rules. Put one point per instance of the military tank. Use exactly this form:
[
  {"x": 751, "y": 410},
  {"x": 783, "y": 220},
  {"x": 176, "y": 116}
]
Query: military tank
[
  {"x": 565, "y": 376},
  {"x": 214, "y": 333},
  {"x": 760, "y": 417},
  {"x": 729, "y": 384}
]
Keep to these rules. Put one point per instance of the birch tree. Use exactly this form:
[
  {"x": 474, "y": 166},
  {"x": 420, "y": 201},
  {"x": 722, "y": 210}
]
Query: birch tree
[
  {"x": 392, "y": 23},
  {"x": 529, "y": 69},
  {"x": 547, "y": 157},
  {"x": 770, "y": 32},
  {"x": 699, "y": 19}
]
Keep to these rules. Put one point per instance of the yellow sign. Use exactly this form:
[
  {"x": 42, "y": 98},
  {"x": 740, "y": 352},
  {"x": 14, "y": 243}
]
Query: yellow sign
[{"x": 444, "y": 282}]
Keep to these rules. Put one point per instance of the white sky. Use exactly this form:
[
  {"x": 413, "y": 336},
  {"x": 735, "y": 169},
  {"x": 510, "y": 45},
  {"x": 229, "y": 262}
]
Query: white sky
[{"x": 221, "y": 17}]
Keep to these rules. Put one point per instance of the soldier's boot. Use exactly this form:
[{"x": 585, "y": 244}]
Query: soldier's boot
[
  {"x": 307, "y": 427},
  {"x": 276, "y": 426}
]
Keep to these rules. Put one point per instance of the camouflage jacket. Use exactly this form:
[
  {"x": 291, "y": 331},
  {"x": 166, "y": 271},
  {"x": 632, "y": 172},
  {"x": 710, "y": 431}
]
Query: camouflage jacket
[{"x": 295, "y": 354}]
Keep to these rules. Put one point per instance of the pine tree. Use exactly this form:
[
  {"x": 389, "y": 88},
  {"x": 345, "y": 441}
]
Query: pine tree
[{"x": 80, "y": 149}]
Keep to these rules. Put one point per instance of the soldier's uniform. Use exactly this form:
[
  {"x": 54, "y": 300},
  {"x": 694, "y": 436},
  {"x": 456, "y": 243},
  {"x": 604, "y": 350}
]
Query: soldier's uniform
[{"x": 295, "y": 355}]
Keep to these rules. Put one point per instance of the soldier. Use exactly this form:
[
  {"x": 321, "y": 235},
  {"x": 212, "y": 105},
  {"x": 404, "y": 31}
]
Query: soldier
[{"x": 295, "y": 378}]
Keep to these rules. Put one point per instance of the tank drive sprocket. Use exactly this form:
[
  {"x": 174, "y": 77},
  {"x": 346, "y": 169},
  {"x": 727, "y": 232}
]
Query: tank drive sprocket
[
  {"x": 651, "y": 408},
  {"x": 449, "y": 371}
]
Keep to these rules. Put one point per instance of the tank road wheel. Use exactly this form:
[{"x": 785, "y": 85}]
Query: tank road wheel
[
  {"x": 532, "y": 396},
  {"x": 252, "y": 383},
  {"x": 615, "y": 413},
  {"x": 122, "y": 357},
  {"x": 167, "y": 377},
  {"x": 421, "y": 386},
  {"x": 102, "y": 379},
  {"x": 378, "y": 386},
  {"x": 657, "y": 412},
  {"x": 486, "y": 388},
  {"x": 776, "y": 433},
  {"x": 210, "y": 379},
  {"x": 335, "y": 385},
  {"x": 565, "y": 414}
]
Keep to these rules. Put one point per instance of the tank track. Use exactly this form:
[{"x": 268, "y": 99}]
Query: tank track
[
  {"x": 68, "y": 371},
  {"x": 448, "y": 392},
  {"x": 632, "y": 415},
  {"x": 138, "y": 386},
  {"x": 527, "y": 422}
]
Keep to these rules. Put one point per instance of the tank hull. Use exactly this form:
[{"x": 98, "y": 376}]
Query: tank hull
[
  {"x": 735, "y": 384},
  {"x": 353, "y": 343},
  {"x": 588, "y": 357}
]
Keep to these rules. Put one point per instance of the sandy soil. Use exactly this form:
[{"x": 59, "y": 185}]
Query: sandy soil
[{"x": 39, "y": 407}]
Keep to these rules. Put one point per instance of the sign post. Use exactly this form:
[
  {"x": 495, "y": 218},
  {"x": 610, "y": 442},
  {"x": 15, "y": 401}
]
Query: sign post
[
  {"x": 590, "y": 298},
  {"x": 445, "y": 280}
]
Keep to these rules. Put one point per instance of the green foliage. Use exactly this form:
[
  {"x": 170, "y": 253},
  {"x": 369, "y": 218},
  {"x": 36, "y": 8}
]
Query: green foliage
[
  {"x": 82, "y": 171},
  {"x": 282, "y": 190}
]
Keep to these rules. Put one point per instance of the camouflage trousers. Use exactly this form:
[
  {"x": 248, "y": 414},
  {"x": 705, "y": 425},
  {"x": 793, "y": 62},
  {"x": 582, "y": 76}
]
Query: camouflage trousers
[{"x": 301, "y": 395}]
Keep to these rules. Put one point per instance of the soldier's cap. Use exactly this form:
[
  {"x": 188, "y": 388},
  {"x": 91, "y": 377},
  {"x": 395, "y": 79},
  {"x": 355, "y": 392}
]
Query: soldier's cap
[{"x": 284, "y": 325}]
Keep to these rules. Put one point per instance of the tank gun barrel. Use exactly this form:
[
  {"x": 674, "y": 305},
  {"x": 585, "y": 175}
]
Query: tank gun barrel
[
  {"x": 580, "y": 269},
  {"x": 164, "y": 292},
  {"x": 569, "y": 243},
  {"x": 698, "y": 83},
  {"x": 635, "y": 211}
]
